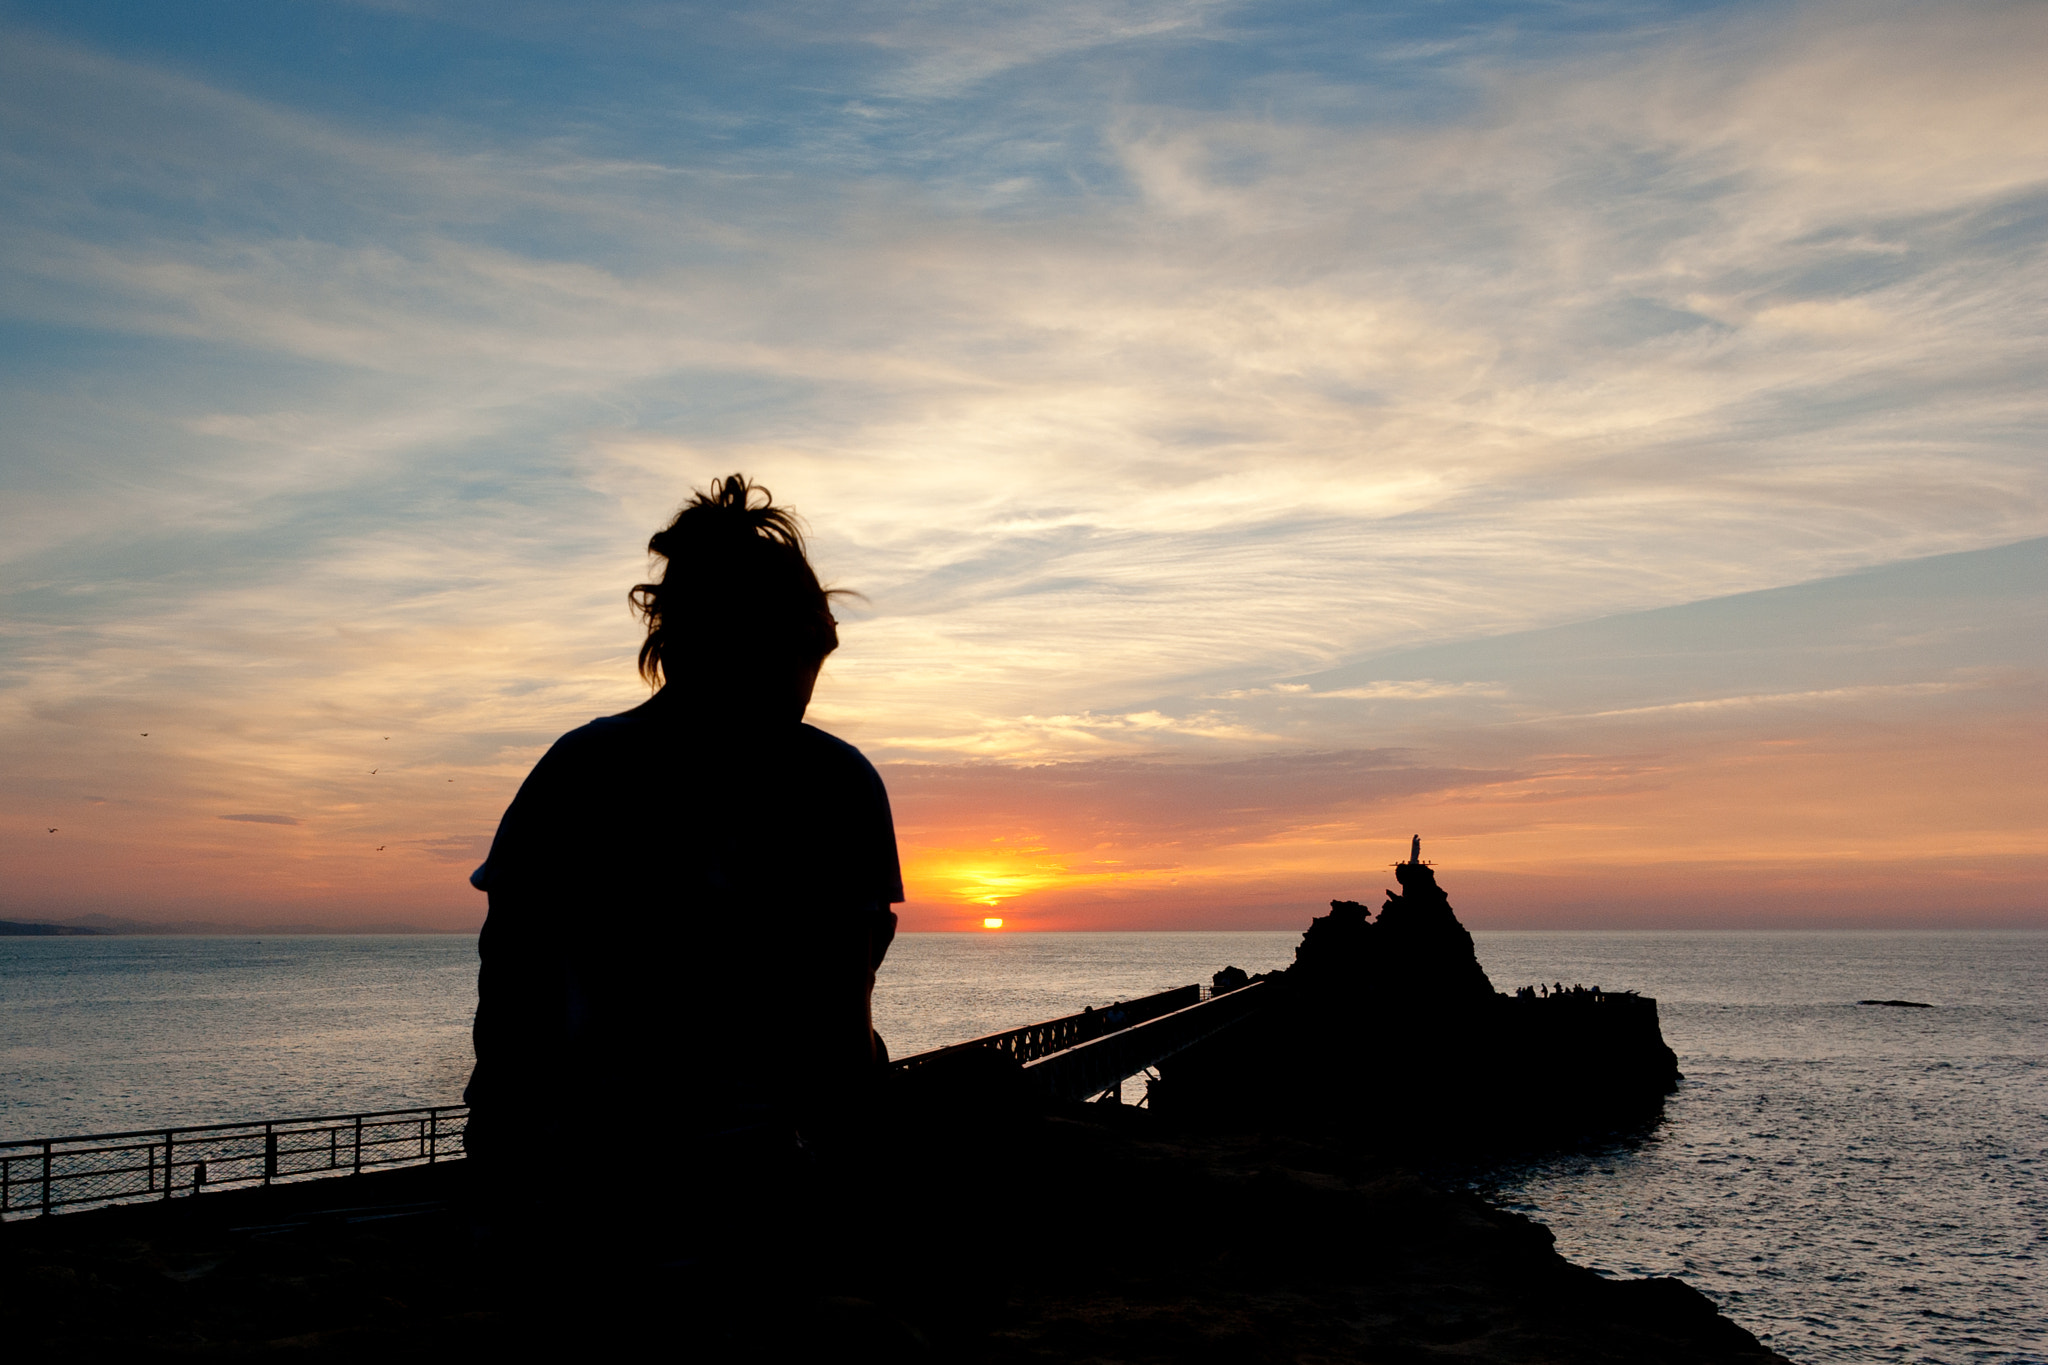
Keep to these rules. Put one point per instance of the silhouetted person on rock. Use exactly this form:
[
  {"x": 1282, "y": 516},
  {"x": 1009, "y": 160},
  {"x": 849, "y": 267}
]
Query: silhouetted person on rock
[{"x": 688, "y": 902}]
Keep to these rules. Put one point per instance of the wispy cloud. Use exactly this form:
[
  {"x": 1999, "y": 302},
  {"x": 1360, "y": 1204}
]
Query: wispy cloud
[
  {"x": 1405, "y": 689},
  {"x": 1822, "y": 694},
  {"x": 1154, "y": 371}
]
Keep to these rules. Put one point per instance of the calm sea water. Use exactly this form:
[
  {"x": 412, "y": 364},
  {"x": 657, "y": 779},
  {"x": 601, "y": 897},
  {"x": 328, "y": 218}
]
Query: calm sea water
[
  {"x": 104, "y": 1034},
  {"x": 1861, "y": 1183}
]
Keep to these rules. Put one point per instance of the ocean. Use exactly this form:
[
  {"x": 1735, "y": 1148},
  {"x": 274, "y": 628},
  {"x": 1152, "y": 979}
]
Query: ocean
[{"x": 1858, "y": 1182}]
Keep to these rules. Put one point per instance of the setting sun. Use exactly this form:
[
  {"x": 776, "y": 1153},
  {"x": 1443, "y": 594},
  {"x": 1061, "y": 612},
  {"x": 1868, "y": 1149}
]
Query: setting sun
[
  {"x": 986, "y": 874},
  {"x": 992, "y": 922}
]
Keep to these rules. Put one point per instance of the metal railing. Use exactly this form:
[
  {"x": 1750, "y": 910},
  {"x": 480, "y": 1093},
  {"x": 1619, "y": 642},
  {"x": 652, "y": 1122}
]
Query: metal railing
[
  {"x": 1033, "y": 1041},
  {"x": 1071, "y": 1057},
  {"x": 43, "y": 1175},
  {"x": 1092, "y": 1068}
]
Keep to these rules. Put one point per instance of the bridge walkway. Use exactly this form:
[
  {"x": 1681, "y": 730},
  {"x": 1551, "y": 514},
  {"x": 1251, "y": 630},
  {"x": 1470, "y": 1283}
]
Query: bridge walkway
[{"x": 1072, "y": 1058}]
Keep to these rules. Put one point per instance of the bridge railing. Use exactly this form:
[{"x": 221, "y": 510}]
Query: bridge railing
[
  {"x": 1091, "y": 1068},
  {"x": 1071, "y": 1057},
  {"x": 43, "y": 1175},
  {"x": 1033, "y": 1041}
]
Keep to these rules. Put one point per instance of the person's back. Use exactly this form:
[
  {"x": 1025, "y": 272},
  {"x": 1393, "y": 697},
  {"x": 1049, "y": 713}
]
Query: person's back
[{"x": 688, "y": 901}]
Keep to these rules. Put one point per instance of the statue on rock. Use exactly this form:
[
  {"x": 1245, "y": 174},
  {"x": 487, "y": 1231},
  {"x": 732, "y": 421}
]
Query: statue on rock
[{"x": 1416, "y": 954}]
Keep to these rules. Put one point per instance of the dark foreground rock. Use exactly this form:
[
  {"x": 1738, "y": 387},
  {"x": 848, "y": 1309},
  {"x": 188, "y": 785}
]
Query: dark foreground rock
[
  {"x": 1249, "y": 1248},
  {"x": 1096, "y": 1235}
]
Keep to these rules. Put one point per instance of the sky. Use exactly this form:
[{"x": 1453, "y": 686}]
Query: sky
[{"x": 1607, "y": 439}]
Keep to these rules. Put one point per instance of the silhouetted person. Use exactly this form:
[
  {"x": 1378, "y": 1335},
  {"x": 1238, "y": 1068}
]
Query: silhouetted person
[{"x": 688, "y": 902}]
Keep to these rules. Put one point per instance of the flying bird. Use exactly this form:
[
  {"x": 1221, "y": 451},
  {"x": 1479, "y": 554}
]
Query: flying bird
[
  {"x": 380, "y": 848},
  {"x": 373, "y": 772},
  {"x": 145, "y": 734},
  {"x": 53, "y": 831}
]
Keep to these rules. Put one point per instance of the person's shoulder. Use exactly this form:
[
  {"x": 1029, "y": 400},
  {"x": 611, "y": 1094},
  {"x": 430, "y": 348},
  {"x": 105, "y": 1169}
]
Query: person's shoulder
[
  {"x": 865, "y": 835},
  {"x": 833, "y": 753},
  {"x": 606, "y": 730},
  {"x": 602, "y": 741}
]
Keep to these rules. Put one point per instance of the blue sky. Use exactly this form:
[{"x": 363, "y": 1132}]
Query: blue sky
[{"x": 1493, "y": 366}]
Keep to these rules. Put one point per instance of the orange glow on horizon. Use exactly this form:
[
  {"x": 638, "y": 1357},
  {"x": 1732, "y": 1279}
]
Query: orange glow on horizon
[
  {"x": 993, "y": 874},
  {"x": 1841, "y": 823},
  {"x": 1926, "y": 816}
]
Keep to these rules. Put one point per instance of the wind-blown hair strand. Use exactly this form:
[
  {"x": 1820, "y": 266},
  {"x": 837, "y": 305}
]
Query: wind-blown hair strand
[{"x": 737, "y": 597}]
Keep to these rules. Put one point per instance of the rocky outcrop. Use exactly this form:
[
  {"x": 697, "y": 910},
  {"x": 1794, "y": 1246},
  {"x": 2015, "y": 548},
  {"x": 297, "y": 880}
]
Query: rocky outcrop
[
  {"x": 1390, "y": 1025},
  {"x": 1416, "y": 954}
]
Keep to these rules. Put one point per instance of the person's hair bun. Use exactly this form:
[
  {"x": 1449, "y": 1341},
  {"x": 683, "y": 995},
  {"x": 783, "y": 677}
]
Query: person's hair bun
[{"x": 737, "y": 595}]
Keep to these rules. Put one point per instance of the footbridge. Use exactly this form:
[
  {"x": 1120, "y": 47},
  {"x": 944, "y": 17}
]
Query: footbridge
[
  {"x": 1072, "y": 1058},
  {"x": 1091, "y": 1054}
]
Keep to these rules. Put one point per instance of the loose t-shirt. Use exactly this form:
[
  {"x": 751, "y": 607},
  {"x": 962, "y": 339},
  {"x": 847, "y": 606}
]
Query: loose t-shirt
[{"x": 681, "y": 910}]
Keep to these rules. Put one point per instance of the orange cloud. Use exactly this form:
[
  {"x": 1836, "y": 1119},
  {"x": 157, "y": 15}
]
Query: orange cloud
[{"x": 1928, "y": 819}]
